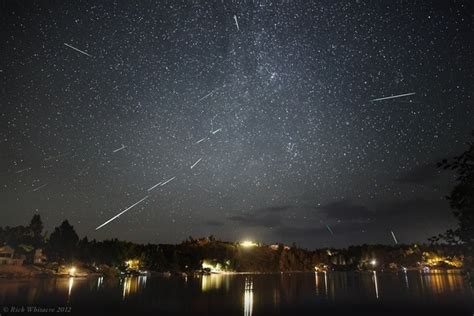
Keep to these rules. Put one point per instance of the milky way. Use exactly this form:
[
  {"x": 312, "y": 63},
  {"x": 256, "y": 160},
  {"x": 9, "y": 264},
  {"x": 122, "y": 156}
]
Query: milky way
[{"x": 314, "y": 122}]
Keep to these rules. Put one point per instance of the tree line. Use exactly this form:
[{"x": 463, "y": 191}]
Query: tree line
[{"x": 64, "y": 246}]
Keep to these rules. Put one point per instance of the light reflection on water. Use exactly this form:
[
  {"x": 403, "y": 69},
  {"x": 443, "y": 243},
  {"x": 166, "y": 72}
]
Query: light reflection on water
[
  {"x": 215, "y": 282},
  {"x": 100, "y": 281},
  {"x": 406, "y": 279},
  {"x": 244, "y": 294},
  {"x": 316, "y": 282},
  {"x": 70, "y": 285},
  {"x": 437, "y": 283},
  {"x": 132, "y": 285},
  {"x": 376, "y": 284},
  {"x": 248, "y": 297},
  {"x": 325, "y": 281}
]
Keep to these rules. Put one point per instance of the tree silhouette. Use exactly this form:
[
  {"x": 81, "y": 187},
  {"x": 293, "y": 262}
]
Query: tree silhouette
[
  {"x": 36, "y": 228},
  {"x": 461, "y": 197},
  {"x": 62, "y": 242}
]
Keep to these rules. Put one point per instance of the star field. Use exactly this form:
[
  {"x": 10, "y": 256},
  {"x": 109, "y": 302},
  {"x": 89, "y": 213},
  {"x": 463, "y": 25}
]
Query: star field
[{"x": 103, "y": 100}]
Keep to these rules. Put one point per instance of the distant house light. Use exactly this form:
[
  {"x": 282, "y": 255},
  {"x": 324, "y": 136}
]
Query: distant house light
[
  {"x": 72, "y": 271},
  {"x": 248, "y": 244},
  {"x": 132, "y": 264},
  {"x": 213, "y": 267}
]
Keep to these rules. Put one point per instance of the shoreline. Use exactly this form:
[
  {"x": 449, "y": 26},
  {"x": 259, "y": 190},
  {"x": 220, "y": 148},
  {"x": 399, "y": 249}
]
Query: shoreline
[{"x": 29, "y": 272}]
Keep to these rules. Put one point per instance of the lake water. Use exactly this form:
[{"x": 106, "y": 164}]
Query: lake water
[{"x": 334, "y": 293}]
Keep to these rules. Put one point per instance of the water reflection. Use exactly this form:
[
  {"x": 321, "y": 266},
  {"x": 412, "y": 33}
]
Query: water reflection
[
  {"x": 438, "y": 282},
  {"x": 248, "y": 297},
  {"x": 376, "y": 284},
  {"x": 326, "y": 282},
  {"x": 142, "y": 280},
  {"x": 247, "y": 294},
  {"x": 215, "y": 282},
  {"x": 132, "y": 285},
  {"x": 70, "y": 285},
  {"x": 126, "y": 287},
  {"x": 317, "y": 285},
  {"x": 316, "y": 281},
  {"x": 100, "y": 281}
]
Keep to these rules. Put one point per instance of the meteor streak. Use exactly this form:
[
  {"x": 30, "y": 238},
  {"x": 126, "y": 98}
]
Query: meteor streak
[
  {"x": 119, "y": 149},
  {"x": 194, "y": 164},
  {"x": 154, "y": 186},
  {"x": 208, "y": 95},
  {"x": 394, "y": 238},
  {"x": 77, "y": 49},
  {"x": 201, "y": 140},
  {"x": 125, "y": 210},
  {"x": 236, "y": 22},
  {"x": 330, "y": 230},
  {"x": 393, "y": 97},
  {"x": 169, "y": 180},
  {"x": 40, "y": 187}
]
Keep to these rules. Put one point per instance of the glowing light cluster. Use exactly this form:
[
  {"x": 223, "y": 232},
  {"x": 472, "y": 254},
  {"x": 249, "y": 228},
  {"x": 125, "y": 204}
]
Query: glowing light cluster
[
  {"x": 434, "y": 260},
  {"x": 72, "y": 271},
  {"x": 213, "y": 267},
  {"x": 248, "y": 244},
  {"x": 132, "y": 264}
]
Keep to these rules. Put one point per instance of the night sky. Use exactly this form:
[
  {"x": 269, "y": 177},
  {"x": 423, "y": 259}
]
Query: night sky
[{"x": 271, "y": 102}]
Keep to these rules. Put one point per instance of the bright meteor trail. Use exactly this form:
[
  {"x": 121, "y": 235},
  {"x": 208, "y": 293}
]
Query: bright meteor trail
[
  {"x": 393, "y": 97},
  {"x": 329, "y": 229},
  {"x": 194, "y": 164},
  {"x": 125, "y": 210},
  {"x": 154, "y": 186},
  {"x": 168, "y": 181},
  {"x": 394, "y": 238},
  {"x": 77, "y": 49}
]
